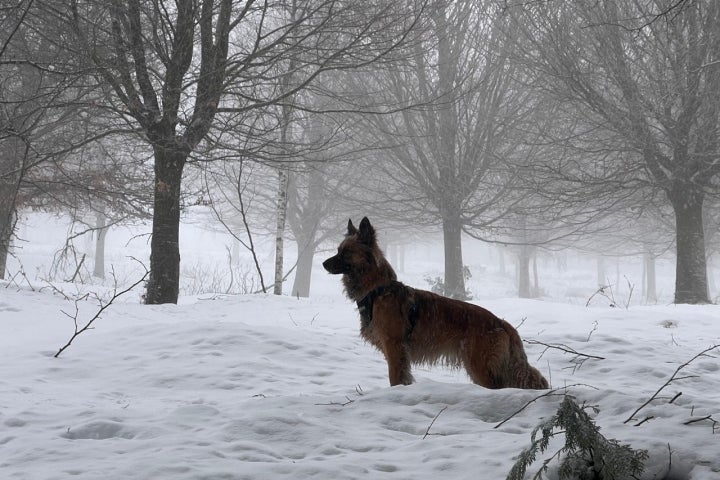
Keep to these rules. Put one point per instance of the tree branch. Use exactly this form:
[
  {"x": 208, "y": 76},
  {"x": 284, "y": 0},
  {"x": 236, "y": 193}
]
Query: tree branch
[
  {"x": 673, "y": 378},
  {"x": 103, "y": 307}
]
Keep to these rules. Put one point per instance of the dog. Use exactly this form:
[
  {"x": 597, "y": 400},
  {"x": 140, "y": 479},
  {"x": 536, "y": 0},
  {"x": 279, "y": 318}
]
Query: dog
[{"x": 411, "y": 326}]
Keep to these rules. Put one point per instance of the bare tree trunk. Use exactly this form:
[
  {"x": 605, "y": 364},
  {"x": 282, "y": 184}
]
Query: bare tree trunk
[
  {"x": 536, "y": 282},
  {"x": 12, "y": 153},
  {"x": 523, "y": 272},
  {"x": 501, "y": 261},
  {"x": 601, "y": 276},
  {"x": 6, "y": 231},
  {"x": 7, "y": 210},
  {"x": 164, "y": 282},
  {"x": 711, "y": 278},
  {"x": 650, "y": 283},
  {"x": 101, "y": 229},
  {"x": 452, "y": 237},
  {"x": 691, "y": 267},
  {"x": 303, "y": 273},
  {"x": 283, "y": 180}
]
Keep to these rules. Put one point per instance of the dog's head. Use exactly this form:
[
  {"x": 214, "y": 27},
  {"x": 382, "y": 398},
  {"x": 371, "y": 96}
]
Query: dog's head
[{"x": 356, "y": 251}]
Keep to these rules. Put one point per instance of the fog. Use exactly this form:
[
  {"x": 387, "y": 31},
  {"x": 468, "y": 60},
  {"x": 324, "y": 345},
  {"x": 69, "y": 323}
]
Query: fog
[{"x": 553, "y": 132}]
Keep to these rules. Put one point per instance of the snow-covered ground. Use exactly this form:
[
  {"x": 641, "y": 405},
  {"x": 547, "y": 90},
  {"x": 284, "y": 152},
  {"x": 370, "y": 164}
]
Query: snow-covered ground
[{"x": 266, "y": 387}]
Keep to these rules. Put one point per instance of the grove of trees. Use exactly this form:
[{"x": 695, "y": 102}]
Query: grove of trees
[{"x": 537, "y": 125}]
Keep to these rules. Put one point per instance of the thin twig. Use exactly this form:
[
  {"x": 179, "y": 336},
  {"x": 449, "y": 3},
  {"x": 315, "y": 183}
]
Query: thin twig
[
  {"x": 631, "y": 287},
  {"x": 549, "y": 393},
  {"x": 646, "y": 419},
  {"x": 427, "y": 431},
  {"x": 673, "y": 378},
  {"x": 675, "y": 397},
  {"x": 562, "y": 348},
  {"x": 77, "y": 270},
  {"x": 595, "y": 327},
  {"x": 700, "y": 419},
  {"x": 103, "y": 307},
  {"x": 339, "y": 404}
]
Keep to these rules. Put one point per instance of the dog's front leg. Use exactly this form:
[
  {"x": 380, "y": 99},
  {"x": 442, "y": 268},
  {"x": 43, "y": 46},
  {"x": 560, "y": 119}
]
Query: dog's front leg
[{"x": 398, "y": 362}]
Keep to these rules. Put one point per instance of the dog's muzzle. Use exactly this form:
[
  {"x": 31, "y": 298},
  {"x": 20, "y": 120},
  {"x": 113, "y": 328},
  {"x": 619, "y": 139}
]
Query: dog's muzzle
[{"x": 334, "y": 265}]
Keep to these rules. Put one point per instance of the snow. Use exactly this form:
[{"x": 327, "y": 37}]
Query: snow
[{"x": 268, "y": 387}]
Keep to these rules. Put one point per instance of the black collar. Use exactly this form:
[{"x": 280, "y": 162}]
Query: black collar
[{"x": 365, "y": 304}]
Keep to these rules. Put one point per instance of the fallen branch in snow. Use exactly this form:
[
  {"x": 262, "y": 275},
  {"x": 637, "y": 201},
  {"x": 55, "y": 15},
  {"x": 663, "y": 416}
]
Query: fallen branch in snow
[
  {"x": 427, "y": 431},
  {"x": 673, "y": 378},
  {"x": 103, "y": 306},
  {"x": 646, "y": 419},
  {"x": 715, "y": 423},
  {"x": 578, "y": 360},
  {"x": 339, "y": 404},
  {"x": 549, "y": 393},
  {"x": 348, "y": 401},
  {"x": 562, "y": 347}
]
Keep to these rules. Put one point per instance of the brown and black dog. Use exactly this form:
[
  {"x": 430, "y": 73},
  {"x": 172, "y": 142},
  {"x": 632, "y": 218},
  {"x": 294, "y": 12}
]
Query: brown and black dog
[{"x": 416, "y": 326}]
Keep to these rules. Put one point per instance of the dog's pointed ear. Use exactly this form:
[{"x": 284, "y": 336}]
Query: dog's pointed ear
[
  {"x": 351, "y": 228},
  {"x": 367, "y": 232}
]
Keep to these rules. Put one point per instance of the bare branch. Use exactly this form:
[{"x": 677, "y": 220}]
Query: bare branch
[
  {"x": 103, "y": 306},
  {"x": 673, "y": 378},
  {"x": 427, "y": 431},
  {"x": 549, "y": 393}
]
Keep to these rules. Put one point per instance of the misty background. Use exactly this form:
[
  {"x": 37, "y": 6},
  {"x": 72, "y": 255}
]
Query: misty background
[{"x": 504, "y": 137}]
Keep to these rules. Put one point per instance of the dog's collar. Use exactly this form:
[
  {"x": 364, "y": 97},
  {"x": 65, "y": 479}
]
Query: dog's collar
[{"x": 365, "y": 304}]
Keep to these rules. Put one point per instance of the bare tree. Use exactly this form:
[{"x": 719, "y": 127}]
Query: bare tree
[
  {"x": 173, "y": 68},
  {"x": 449, "y": 153},
  {"x": 653, "y": 87},
  {"x": 40, "y": 88}
]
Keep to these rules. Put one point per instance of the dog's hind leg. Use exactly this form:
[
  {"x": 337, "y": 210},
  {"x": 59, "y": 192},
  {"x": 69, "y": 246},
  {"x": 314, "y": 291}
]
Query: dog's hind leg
[
  {"x": 480, "y": 374},
  {"x": 398, "y": 362},
  {"x": 485, "y": 359}
]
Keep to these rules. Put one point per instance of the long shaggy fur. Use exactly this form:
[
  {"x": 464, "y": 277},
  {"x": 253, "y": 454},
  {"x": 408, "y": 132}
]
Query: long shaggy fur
[{"x": 411, "y": 326}]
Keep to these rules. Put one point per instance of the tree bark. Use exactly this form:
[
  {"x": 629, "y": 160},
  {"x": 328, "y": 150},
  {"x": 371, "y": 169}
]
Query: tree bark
[
  {"x": 691, "y": 266},
  {"x": 601, "y": 275},
  {"x": 7, "y": 209},
  {"x": 650, "y": 278},
  {"x": 6, "y": 230},
  {"x": 649, "y": 275},
  {"x": 283, "y": 180},
  {"x": 164, "y": 282},
  {"x": 536, "y": 281},
  {"x": 303, "y": 273},
  {"x": 11, "y": 161},
  {"x": 102, "y": 229},
  {"x": 452, "y": 238},
  {"x": 523, "y": 271}
]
